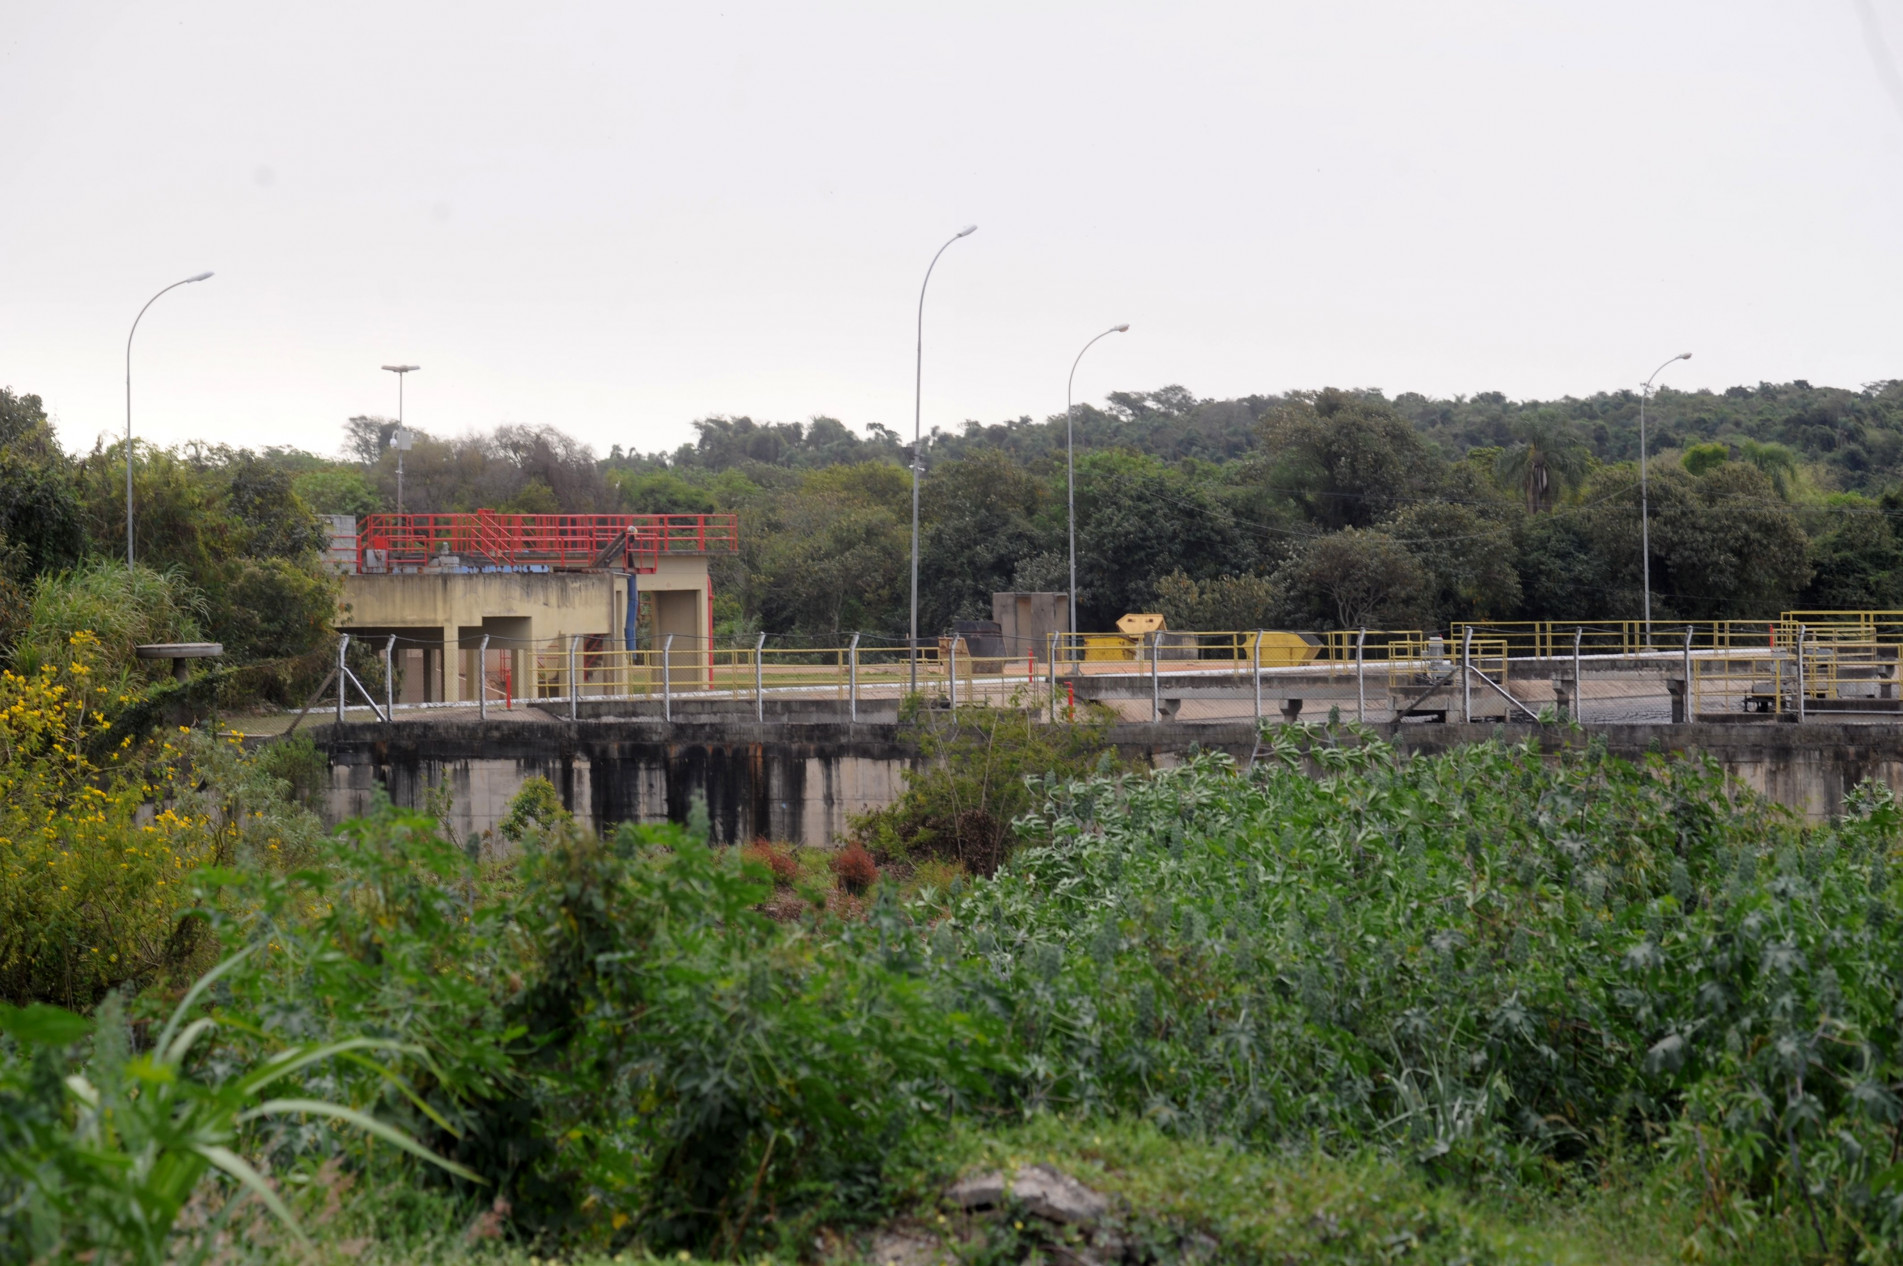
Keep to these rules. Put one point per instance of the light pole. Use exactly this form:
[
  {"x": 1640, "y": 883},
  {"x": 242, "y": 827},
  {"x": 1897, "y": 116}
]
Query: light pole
[
  {"x": 918, "y": 451},
  {"x": 1070, "y": 472},
  {"x": 401, "y": 440},
  {"x": 135, "y": 329},
  {"x": 1645, "y": 508}
]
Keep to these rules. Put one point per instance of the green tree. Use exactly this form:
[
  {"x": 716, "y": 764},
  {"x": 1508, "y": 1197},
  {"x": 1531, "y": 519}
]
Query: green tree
[
  {"x": 830, "y": 553},
  {"x": 39, "y": 503},
  {"x": 1775, "y": 462},
  {"x": 1223, "y": 603},
  {"x": 981, "y": 519},
  {"x": 1858, "y": 560},
  {"x": 336, "y": 491},
  {"x": 1349, "y": 458},
  {"x": 1701, "y": 459},
  {"x": 1466, "y": 557},
  {"x": 659, "y": 492},
  {"x": 1355, "y": 578},
  {"x": 1724, "y": 546},
  {"x": 1139, "y": 520},
  {"x": 1547, "y": 458}
]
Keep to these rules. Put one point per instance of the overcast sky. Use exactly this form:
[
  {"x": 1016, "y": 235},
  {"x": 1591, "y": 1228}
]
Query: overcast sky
[{"x": 619, "y": 217}]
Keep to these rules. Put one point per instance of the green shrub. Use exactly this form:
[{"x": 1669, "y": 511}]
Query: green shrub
[
  {"x": 534, "y": 810},
  {"x": 976, "y": 766},
  {"x": 120, "y": 607},
  {"x": 100, "y": 1163}
]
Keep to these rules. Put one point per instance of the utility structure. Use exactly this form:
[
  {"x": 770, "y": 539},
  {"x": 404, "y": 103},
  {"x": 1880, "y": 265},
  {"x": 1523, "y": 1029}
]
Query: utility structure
[
  {"x": 1070, "y": 467},
  {"x": 1645, "y": 509},
  {"x": 134, "y": 330},
  {"x": 400, "y": 440},
  {"x": 443, "y": 583},
  {"x": 918, "y": 444}
]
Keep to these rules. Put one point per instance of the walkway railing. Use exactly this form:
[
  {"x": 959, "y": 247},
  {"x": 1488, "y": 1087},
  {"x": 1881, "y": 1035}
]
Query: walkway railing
[{"x": 1848, "y": 665}]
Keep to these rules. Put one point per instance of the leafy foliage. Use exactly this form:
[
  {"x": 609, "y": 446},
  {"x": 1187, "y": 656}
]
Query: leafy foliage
[
  {"x": 975, "y": 777},
  {"x": 102, "y": 1163}
]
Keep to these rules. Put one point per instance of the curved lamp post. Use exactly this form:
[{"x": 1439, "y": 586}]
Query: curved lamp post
[
  {"x": 1645, "y": 510},
  {"x": 1070, "y": 472},
  {"x": 135, "y": 329},
  {"x": 918, "y": 455}
]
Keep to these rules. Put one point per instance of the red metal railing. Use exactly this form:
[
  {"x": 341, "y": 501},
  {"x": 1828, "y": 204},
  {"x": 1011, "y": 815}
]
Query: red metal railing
[{"x": 562, "y": 542}]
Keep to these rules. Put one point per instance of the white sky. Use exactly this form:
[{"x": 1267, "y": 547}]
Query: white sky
[{"x": 619, "y": 217}]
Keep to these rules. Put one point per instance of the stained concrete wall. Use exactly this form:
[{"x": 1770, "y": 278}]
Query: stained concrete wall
[
  {"x": 802, "y": 780},
  {"x": 787, "y": 781}
]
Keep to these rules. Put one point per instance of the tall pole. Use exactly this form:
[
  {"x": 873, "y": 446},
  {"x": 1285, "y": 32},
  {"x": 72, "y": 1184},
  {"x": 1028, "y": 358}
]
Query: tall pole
[
  {"x": 135, "y": 329},
  {"x": 1070, "y": 473},
  {"x": 401, "y": 440},
  {"x": 918, "y": 452},
  {"x": 1645, "y": 508}
]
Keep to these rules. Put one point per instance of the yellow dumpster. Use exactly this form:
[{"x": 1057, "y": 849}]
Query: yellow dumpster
[
  {"x": 1282, "y": 650},
  {"x": 1109, "y": 648}
]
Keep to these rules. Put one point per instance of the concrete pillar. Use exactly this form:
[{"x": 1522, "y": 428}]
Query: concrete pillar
[
  {"x": 452, "y": 662},
  {"x": 1291, "y": 710}
]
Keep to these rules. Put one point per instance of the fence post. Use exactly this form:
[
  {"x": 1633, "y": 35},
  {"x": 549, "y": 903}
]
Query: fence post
[
  {"x": 1579, "y": 687},
  {"x": 574, "y": 686},
  {"x": 1255, "y": 658},
  {"x": 1691, "y": 695},
  {"x": 482, "y": 678},
  {"x": 1156, "y": 682},
  {"x": 951, "y": 666},
  {"x": 1053, "y": 676},
  {"x": 389, "y": 679},
  {"x": 1361, "y": 677},
  {"x": 667, "y": 678},
  {"x": 1800, "y": 674},
  {"x": 1466, "y": 674},
  {"x": 759, "y": 681},
  {"x": 852, "y": 678},
  {"x": 343, "y": 642}
]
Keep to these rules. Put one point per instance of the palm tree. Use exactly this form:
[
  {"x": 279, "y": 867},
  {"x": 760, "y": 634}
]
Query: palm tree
[
  {"x": 1548, "y": 457},
  {"x": 1778, "y": 463}
]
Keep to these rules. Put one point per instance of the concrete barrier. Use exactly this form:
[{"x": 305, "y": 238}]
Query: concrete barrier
[{"x": 803, "y": 781}]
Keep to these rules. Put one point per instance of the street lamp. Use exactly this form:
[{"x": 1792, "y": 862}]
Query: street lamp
[
  {"x": 1070, "y": 470},
  {"x": 400, "y": 441},
  {"x": 135, "y": 329},
  {"x": 918, "y": 451},
  {"x": 1645, "y": 510}
]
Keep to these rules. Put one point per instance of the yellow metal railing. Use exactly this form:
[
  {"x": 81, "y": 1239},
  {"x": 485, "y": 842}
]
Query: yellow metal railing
[{"x": 1830, "y": 676}]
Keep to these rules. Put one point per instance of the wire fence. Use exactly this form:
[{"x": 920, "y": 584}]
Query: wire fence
[{"x": 1803, "y": 666}]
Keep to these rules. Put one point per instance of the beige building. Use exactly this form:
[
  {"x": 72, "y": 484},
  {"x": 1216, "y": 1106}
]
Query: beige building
[{"x": 441, "y": 610}]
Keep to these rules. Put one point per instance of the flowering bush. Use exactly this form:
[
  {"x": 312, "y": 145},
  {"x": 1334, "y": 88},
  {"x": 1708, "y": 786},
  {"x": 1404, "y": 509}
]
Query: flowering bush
[{"x": 96, "y": 849}]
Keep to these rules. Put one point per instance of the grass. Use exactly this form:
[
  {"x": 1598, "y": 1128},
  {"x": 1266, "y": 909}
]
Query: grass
[{"x": 1293, "y": 1207}]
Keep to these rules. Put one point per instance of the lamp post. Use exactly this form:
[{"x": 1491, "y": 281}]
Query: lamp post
[
  {"x": 135, "y": 329},
  {"x": 1070, "y": 471},
  {"x": 401, "y": 440},
  {"x": 1645, "y": 509},
  {"x": 918, "y": 452}
]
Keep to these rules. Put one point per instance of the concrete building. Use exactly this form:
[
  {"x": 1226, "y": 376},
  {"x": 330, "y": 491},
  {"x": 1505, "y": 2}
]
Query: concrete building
[{"x": 530, "y": 584}]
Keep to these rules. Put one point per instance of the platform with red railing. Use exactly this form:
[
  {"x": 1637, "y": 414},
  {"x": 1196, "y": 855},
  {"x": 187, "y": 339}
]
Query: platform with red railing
[{"x": 493, "y": 540}]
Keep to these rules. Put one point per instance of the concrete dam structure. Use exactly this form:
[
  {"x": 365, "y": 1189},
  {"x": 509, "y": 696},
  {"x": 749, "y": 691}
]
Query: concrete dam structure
[{"x": 801, "y": 780}]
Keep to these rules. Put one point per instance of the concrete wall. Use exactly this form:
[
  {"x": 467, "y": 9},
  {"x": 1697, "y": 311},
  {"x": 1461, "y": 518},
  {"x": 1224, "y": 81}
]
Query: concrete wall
[
  {"x": 787, "y": 781},
  {"x": 801, "y": 780}
]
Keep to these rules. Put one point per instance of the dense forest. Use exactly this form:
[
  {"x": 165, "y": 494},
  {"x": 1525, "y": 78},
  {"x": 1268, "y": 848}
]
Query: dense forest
[{"x": 1332, "y": 508}]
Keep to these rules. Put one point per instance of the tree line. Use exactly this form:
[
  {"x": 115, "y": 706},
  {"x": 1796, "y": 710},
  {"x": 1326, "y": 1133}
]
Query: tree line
[{"x": 1323, "y": 509}]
